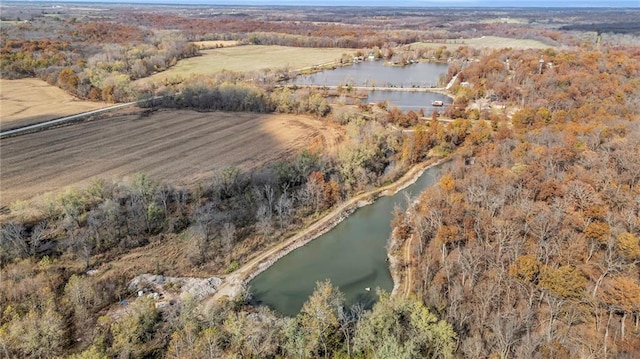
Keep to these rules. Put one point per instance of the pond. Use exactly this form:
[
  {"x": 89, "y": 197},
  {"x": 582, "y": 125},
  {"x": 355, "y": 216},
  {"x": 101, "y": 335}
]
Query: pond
[
  {"x": 352, "y": 255},
  {"x": 377, "y": 73},
  {"x": 410, "y": 101}
]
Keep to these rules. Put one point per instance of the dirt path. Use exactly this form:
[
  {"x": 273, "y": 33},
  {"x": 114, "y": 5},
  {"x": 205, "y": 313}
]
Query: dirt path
[
  {"x": 232, "y": 284},
  {"x": 407, "y": 259},
  {"x": 57, "y": 122}
]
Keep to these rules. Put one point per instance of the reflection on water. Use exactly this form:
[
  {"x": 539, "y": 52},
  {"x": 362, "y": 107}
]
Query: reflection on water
[
  {"x": 376, "y": 73},
  {"x": 352, "y": 255},
  {"x": 406, "y": 101}
]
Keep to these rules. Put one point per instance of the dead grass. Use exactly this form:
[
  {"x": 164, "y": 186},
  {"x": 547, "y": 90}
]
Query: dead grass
[
  {"x": 486, "y": 42},
  {"x": 177, "y": 146},
  {"x": 248, "y": 58},
  {"x": 28, "y": 101},
  {"x": 203, "y": 45}
]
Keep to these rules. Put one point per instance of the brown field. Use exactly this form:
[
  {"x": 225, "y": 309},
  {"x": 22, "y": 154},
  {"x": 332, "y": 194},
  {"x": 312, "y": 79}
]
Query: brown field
[
  {"x": 486, "y": 42},
  {"x": 214, "y": 44},
  {"x": 248, "y": 58},
  {"x": 28, "y": 101},
  {"x": 176, "y": 146}
]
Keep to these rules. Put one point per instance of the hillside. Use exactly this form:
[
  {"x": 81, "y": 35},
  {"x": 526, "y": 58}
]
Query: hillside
[{"x": 533, "y": 249}]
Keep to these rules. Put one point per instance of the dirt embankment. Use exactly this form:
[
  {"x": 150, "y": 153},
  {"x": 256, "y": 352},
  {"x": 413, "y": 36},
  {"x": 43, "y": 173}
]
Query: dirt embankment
[
  {"x": 181, "y": 147},
  {"x": 233, "y": 284},
  {"x": 400, "y": 260}
]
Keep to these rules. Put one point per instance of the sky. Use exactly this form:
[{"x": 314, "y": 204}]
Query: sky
[{"x": 392, "y": 3}]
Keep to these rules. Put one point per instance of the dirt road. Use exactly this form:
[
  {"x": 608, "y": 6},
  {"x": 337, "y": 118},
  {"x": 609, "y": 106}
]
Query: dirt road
[{"x": 63, "y": 120}]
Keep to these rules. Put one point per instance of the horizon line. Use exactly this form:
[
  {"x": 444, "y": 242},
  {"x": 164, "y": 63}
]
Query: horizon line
[{"x": 315, "y": 3}]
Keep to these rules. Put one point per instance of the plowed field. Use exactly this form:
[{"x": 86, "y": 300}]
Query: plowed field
[{"x": 176, "y": 146}]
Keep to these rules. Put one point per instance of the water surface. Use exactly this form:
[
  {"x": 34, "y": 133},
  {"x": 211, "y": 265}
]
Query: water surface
[
  {"x": 376, "y": 73},
  {"x": 352, "y": 255},
  {"x": 410, "y": 101}
]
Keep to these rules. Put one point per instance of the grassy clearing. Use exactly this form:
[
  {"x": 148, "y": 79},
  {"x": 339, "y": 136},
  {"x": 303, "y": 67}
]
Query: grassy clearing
[
  {"x": 489, "y": 42},
  {"x": 28, "y": 101},
  {"x": 249, "y": 58},
  {"x": 203, "y": 45}
]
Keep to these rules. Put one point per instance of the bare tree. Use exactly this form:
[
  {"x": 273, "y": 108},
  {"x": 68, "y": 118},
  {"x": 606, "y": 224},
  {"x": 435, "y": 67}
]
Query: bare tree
[
  {"x": 263, "y": 218},
  {"x": 205, "y": 219},
  {"x": 284, "y": 208},
  {"x": 228, "y": 234},
  {"x": 12, "y": 244},
  {"x": 270, "y": 196},
  {"x": 38, "y": 234}
]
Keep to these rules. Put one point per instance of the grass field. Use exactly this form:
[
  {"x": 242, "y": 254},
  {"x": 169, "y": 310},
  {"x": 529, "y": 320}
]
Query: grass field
[
  {"x": 249, "y": 58},
  {"x": 177, "y": 146},
  {"x": 214, "y": 44},
  {"x": 489, "y": 42},
  {"x": 28, "y": 101}
]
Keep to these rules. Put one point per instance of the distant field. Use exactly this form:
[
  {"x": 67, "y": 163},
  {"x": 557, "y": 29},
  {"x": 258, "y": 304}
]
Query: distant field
[
  {"x": 27, "y": 101},
  {"x": 215, "y": 44},
  {"x": 249, "y": 58},
  {"x": 177, "y": 146},
  {"x": 491, "y": 42}
]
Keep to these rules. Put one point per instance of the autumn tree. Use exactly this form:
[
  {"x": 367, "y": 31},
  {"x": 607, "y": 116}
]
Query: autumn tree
[
  {"x": 403, "y": 327},
  {"x": 319, "y": 319}
]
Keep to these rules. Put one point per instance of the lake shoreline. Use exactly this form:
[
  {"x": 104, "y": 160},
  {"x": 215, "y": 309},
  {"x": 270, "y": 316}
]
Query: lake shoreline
[{"x": 234, "y": 283}]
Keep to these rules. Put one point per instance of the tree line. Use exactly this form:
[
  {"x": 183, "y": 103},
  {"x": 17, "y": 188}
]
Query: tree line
[{"x": 239, "y": 96}]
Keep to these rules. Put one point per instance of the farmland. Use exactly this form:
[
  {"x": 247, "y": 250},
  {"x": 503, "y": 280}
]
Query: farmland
[
  {"x": 486, "y": 42},
  {"x": 178, "y": 146},
  {"x": 28, "y": 101},
  {"x": 248, "y": 58},
  {"x": 214, "y": 44}
]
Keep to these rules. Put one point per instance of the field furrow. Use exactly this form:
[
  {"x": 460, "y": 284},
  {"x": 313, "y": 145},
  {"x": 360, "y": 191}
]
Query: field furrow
[{"x": 174, "y": 146}]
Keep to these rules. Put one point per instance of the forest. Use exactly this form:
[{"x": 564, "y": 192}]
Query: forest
[
  {"x": 534, "y": 249},
  {"x": 528, "y": 247}
]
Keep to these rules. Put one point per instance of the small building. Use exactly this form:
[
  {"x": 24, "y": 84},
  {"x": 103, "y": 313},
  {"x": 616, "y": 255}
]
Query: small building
[
  {"x": 160, "y": 305},
  {"x": 540, "y": 65}
]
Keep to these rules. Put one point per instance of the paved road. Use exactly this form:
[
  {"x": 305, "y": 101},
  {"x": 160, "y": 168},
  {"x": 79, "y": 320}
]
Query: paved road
[{"x": 47, "y": 124}]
